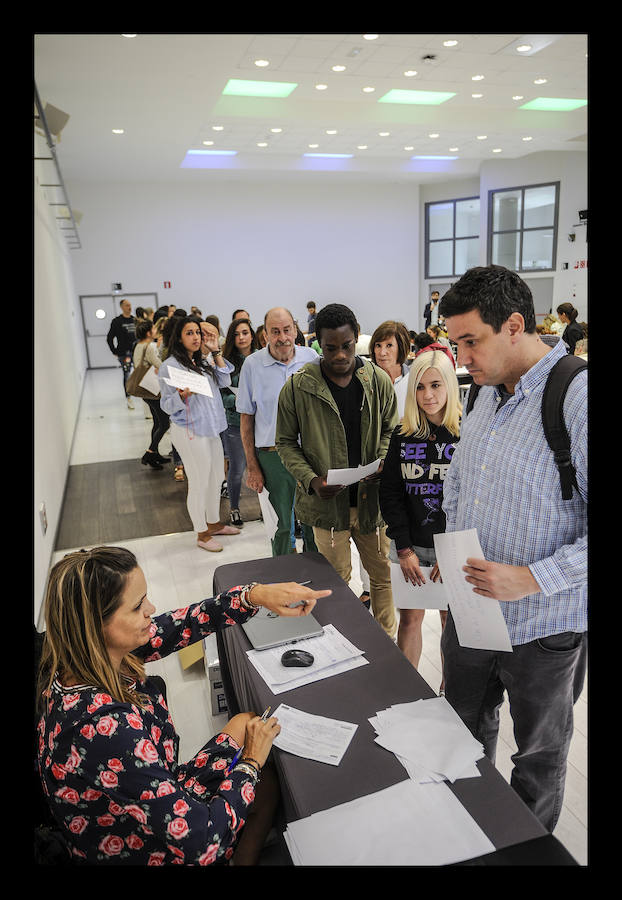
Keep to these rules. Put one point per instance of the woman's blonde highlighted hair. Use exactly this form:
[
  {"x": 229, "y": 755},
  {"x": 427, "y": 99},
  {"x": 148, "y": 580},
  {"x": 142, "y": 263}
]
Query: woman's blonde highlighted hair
[
  {"x": 414, "y": 420},
  {"x": 84, "y": 589}
]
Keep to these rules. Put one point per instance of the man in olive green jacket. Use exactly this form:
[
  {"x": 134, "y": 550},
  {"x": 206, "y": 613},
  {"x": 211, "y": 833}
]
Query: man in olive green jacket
[{"x": 343, "y": 409}]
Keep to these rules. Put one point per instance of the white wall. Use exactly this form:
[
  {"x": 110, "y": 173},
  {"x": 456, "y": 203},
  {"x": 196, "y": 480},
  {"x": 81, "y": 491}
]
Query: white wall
[
  {"x": 570, "y": 169},
  {"x": 230, "y": 244},
  {"x": 59, "y": 367}
]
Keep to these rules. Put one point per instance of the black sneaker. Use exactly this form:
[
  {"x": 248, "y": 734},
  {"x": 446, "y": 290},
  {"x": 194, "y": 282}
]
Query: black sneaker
[
  {"x": 224, "y": 493},
  {"x": 236, "y": 518}
]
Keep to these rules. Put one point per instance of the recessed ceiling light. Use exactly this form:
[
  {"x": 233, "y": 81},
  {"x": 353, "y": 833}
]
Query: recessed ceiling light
[
  {"x": 262, "y": 62},
  {"x": 332, "y": 131},
  {"x": 518, "y": 97},
  {"x": 118, "y": 131},
  {"x": 540, "y": 80},
  {"x": 238, "y": 87},
  {"x": 371, "y": 37},
  {"x": 421, "y": 97},
  {"x": 313, "y": 146},
  {"x": 482, "y": 137},
  {"x": 497, "y": 150},
  {"x": 434, "y": 135},
  {"x": 523, "y": 48},
  {"x": 449, "y": 43},
  {"x": 338, "y": 68},
  {"x": 262, "y": 144},
  {"x": 476, "y": 96},
  {"x": 362, "y": 147},
  {"x": 554, "y": 104},
  {"x": 384, "y": 133},
  {"x": 321, "y": 87},
  {"x": 368, "y": 90},
  {"x": 453, "y": 149},
  {"x": 409, "y": 73},
  {"x": 218, "y": 127},
  {"x": 208, "y": 143},
  {"x": 128, "y": 35},
  {"x": 276, "y": 130},
  {"x": 477, "y": 77},
  {"x": 409, "y": 148},
  {"x": 527, "y": 138}
]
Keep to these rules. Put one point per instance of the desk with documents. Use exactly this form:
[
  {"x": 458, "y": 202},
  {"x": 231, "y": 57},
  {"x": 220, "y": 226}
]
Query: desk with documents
[{"x": 355, "y": 696}]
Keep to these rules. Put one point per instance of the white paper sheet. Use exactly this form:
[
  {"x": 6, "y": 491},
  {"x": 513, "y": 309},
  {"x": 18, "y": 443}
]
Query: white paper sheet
[
  {"x": 312, "y": 737},
  {"x": 270, "y": 518},
  {"x": 479, "y": 621},
  {"x": 198, "y": 384},
  {"x": 350, "y": 476},
  {"x": 332, "y": 652},
  {"x": 150, "y": 382},
  {"x": 407, "y": 824},
  {"x": 431, "y": 595}
]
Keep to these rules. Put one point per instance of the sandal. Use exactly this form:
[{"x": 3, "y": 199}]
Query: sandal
[
  {"x": 179, "y": 473},
  {"x": 210, "y": 544}
]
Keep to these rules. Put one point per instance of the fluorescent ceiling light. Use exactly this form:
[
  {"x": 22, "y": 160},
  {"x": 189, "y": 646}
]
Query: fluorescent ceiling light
[
  {"x": 241, "y": 88},
  {"x": 434, "y": 157},
  {"x": 428, "y": 98},
  {"x": 554, "y": 104},
  {"x": 331, "y": 155},
  {"x": 211, "y": 152}
]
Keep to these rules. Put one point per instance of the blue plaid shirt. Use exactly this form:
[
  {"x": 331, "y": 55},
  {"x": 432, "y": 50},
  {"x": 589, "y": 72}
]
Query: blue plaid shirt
[{"x": 503, "y": 481}]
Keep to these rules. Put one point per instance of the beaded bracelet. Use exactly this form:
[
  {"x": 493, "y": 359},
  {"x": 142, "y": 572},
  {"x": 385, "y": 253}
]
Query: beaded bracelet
[
  {"x": 251, "y": 762},
  {"x": 245, "y": 598},
  {"x": 248, "y": 770}
]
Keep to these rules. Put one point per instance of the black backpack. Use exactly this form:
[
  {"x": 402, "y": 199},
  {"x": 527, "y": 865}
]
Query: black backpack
[{"x": 553, "y": 423}]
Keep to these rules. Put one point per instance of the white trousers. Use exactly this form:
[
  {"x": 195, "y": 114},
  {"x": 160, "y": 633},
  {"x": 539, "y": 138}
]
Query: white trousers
[{"x": 204, "y": 465}]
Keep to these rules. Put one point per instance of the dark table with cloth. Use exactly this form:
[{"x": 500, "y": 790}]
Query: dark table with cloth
[{"x": 309, "y": 786}]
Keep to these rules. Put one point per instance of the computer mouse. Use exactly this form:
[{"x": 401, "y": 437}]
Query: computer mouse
[{"x": 297, "y": 658}]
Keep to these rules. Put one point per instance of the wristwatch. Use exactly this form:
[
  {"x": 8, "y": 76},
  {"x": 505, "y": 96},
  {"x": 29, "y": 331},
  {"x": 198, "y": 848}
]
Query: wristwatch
[{"x": 245, "y": 598}]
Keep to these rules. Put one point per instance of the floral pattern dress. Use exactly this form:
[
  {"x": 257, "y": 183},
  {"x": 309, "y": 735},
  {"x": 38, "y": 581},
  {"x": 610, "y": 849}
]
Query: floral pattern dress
[{"x": 110, "y": 770}]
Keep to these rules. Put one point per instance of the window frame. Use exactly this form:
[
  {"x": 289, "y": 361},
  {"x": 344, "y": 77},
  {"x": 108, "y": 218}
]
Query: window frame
[
  {"x": 521, "y": 230},
  {"x": 428, "y": 241}
]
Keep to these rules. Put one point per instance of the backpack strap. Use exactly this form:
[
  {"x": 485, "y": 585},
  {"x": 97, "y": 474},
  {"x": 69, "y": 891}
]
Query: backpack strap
[
  {"x": 555, "y": 429},
  {"x": 472, "y": 397}
]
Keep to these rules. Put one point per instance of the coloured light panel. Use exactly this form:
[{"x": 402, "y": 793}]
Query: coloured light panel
[
  {"x": 239, "y": 88},
  {"x": 554, "y": 104},
  {"x": 426, "y": 98}
]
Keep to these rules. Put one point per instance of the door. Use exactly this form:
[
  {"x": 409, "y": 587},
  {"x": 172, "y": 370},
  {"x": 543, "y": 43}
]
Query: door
[{"x": 98, "y": 311}]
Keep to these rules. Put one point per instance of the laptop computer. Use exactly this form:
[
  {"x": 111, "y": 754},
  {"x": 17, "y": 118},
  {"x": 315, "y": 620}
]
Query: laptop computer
[{"x": 267, "y": 629}]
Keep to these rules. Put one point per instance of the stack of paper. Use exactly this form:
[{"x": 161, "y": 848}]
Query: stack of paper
[
  {"x": 407, "y": 824},
  {"x": 429, "y": 739},
  {"x": 332, "y": 654}
]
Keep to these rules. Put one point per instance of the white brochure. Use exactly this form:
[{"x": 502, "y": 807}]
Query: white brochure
[
  {"x": 184, "y": 378},
  {"x": 270, "y": 518},
  {"x": 350, "y": 476},
  {"x": 479, "y": 621},
  {"x": 312, "y": 737},
  {"x": 406, "y": 595}
]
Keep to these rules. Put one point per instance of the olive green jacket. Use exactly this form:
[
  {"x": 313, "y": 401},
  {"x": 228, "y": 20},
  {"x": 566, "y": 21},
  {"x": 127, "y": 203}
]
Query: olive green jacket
[{"x": 307, "y": 409}]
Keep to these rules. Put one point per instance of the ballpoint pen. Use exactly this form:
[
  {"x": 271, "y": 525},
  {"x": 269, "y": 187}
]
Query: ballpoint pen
[{"x": 264, "y": 716}]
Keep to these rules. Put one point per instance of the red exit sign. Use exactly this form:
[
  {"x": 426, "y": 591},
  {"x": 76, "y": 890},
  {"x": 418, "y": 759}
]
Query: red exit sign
[{"x": 166, "y": 284}]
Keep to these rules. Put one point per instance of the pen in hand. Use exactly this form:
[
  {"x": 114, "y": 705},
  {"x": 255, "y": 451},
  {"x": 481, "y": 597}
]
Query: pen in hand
[{"x": 237, "y": 756}]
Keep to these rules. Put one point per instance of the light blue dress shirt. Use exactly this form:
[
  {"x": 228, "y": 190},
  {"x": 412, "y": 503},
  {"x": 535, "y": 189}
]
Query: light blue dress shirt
[
  {"x": 203, "y": 416},
  {"x": 261, "y": 380},
  {"x": 503, "y": 481}
]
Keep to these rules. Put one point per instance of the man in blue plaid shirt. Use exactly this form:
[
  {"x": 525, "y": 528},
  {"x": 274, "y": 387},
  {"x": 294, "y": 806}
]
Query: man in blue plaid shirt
[{"x": 503, "y": 481}]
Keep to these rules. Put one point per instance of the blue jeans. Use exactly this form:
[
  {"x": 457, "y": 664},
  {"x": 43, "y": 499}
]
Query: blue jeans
[
  {"x": 543, "y": 679},
  {"x": 234, "y": 451}
]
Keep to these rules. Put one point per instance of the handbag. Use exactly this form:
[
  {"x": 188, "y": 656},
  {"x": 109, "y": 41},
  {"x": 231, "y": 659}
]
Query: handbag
[{"x": 133, "y": 386}]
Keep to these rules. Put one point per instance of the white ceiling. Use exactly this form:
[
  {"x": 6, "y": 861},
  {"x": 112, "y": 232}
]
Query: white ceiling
[{"x": 165, "y": 91}]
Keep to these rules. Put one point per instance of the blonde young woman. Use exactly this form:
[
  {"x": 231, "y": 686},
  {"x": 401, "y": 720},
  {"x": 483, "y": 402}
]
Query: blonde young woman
[{"x": 411, "y": 486}]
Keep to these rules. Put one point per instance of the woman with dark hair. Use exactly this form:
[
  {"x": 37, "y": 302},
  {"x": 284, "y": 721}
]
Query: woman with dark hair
[
  {"x": 197, "y": 420},
  {"x": 240, "y": 342},
  {"x": 389, "y": 348},
  {"x": 146, "y": 350},
  {"x": 107, "y": 746},
  {"x": 573, "y": 331}
]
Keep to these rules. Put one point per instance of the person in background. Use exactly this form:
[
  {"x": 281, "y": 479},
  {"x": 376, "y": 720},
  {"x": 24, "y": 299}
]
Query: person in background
[
  {"x": 145, "y": 350},
  {"x": 240, "y": 342},
  {"x": 196, "y": 423},
  {"x": 121, "y": 338},
  {"x": 573, "y": 331},
  {"x": 338, "y": 412},
  {"x": 362, "y": 342},
  {"x": 107, "y": 747},
  {"x": 195, "y": 311},
  {"x": 430, "y": 313},
  {"x": 311, "y": 312},
  {"x": 438, "y": 335},
  {"x": 260, "y": 334},
  {"x": 240, "y": 314},
  {"x": 411, "y": 484},
  {"x": 504, "y": 482},
  {"x": 389, "y": 347},
  {"x": 261, "y": 378}
]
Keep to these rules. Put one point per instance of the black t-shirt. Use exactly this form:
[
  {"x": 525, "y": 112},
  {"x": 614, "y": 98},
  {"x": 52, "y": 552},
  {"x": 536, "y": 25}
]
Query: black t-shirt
[{"x": 349, "y": 402}]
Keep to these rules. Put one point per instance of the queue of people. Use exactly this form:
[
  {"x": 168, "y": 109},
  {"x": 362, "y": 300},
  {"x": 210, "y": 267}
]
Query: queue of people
[{"x": 286, "y": 413}]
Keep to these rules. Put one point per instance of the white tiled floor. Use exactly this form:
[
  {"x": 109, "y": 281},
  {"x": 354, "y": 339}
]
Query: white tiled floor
[{"x": 178, "y": 573}]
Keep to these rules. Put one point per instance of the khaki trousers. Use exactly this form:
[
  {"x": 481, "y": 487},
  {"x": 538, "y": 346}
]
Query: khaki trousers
[{"x": 374, "y": 552}]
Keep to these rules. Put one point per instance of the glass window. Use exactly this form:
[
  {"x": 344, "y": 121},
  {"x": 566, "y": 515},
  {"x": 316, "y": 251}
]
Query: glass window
[
  {"x": 452, "y": 237},
  {"x": 523, "y": 227}
]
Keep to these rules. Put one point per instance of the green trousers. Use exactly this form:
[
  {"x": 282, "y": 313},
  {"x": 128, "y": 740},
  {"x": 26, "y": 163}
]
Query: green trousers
[{"x": 282, "y": 488}]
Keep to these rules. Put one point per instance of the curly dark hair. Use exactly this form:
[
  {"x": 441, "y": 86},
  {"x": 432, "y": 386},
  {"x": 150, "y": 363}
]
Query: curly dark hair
[
  {"x": 334, "y": 315},
  {"x": 496, "y": 292}
]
